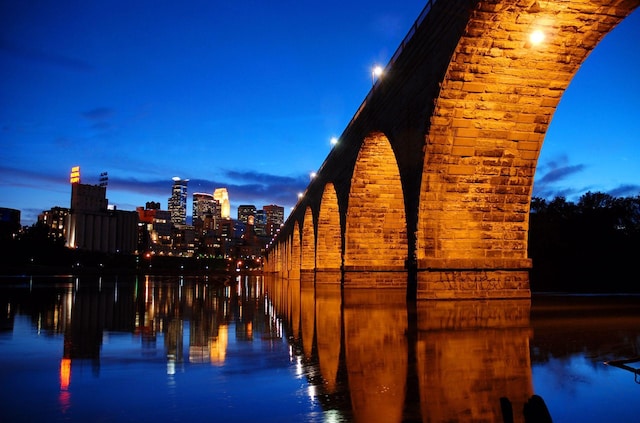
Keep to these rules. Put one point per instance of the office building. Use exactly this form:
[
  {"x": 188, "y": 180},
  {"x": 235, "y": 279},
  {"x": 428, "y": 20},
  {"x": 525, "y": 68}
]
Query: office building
[
  {"x": 56, "y": 219},
  {"x": 245, "y": 211},
  {"x": 155, "y": 229},
  {"x": 93, "y": 226},
  {"x": 274, "y": 217},
  {"x": 9, "y": 222},
  {"x": 178, "y": 201},
  {"x": 222, "y": 196},
  {"x": 260, "y": 223},
  {"x": 204, "y": 205}
]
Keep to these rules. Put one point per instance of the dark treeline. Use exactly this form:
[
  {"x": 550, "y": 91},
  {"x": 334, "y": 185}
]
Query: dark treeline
[{"x": 589, "y": 246}]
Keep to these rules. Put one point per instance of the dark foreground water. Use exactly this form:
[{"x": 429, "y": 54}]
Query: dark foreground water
[{"x": 247, "y": 349}]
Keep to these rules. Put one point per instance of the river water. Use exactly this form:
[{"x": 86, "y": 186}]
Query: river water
[{"x": 245, "y": 348}]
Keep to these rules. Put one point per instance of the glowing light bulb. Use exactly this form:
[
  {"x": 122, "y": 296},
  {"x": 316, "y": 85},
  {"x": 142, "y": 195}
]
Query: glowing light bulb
[{"x": 536, "y": 37}]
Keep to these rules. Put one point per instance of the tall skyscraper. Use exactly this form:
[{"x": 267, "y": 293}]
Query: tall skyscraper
[
  {"x": 222, "y": 196},
  {"x": 178, "y": 201},
  {"x": 275, "y": 218}
]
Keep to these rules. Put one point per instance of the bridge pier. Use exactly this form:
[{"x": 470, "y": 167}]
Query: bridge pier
[
  {"x": 375, "y": 278},
  {"x": 473, "y": 279},
  {"x": 430, "y": 185}
]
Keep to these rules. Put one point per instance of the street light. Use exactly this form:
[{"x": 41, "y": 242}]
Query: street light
[
  {"x": 536, "y": 37},
  {"x": 376, "y": 72}
]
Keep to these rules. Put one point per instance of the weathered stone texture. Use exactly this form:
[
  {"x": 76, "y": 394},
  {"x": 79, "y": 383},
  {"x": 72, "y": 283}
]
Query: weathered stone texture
[
  {"x": 473, "y": 284},
  {"x": 308, "y": 252},
  {"x": 439, "y": 160},
  {"x": 375, "y": 235}
]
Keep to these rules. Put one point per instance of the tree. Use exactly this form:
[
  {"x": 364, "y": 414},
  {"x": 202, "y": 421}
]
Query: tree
[{"x": 587, "y": 247}]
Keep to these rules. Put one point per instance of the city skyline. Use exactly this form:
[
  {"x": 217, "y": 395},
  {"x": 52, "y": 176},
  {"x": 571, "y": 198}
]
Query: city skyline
[{"x": 246, "y": 97}]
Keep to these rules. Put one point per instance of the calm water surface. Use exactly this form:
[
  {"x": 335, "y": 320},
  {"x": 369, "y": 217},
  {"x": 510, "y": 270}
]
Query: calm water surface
[{"x": 245, "y": 349}]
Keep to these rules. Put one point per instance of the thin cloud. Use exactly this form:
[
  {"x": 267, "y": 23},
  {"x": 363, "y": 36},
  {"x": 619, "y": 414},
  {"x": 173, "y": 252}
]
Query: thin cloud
[
  {"x": 152, "y": 188},
  {"x": 554, "y": 172},
  {"x": 26, "y": 177},
  {"x": 102, "y": 126},
  {"x": 40, "y": 56},
  {"x": 625, "y": 190},
  {"x": 553, "y": 192},
  {"x": 560, "y": 173},
  {"x": 99, "y": 113},
  {"x": 258, "y": 186},
  {"x": 264, "y": 178}
]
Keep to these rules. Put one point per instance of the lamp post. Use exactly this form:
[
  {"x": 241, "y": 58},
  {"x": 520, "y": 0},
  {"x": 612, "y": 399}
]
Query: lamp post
[
  {"x": 536, "y": 37},
  {"x": 376, "y": 72}
]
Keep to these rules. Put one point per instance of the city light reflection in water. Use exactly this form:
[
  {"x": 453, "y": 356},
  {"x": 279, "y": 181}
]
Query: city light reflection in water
[{"x": 252, "y": 348}]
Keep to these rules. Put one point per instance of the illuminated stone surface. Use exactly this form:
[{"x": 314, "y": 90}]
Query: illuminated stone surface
[
  {"x": 308, "y": 252},
  {"x": 480, "y": 351},
  {"x": 435, "y": 170},
  {"x": 375, "y": 324},
  {"x": 329, "y": 246},
  {"x": 329, "y": 325}
]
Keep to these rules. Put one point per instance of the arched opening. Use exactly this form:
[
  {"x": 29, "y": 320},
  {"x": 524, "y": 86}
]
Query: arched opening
[
  {"x": 592, "y": 142},
  {"x": 294, "y": 268},
  {"x": 376, "y": 234},
  {"x": 308, "y": 259},
  {"x": 486, "y": 132},
  {"x": 329, "y": 242}
]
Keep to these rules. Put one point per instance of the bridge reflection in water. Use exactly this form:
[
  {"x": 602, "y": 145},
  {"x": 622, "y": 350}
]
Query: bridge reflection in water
[
  {"x": 385, "y": 360},
  {"x": 307, "y": 349}
]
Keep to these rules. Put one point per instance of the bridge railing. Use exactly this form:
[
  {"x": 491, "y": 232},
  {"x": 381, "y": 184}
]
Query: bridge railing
[
  {"x": 394, "y": 58},
  {"x": 416, "y": 24},
  {"x": 412, "y": 30}
]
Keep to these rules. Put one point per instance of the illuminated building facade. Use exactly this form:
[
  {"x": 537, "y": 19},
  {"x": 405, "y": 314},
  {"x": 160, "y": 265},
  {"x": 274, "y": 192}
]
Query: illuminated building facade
[
  {"x": 178, "y": 201},
  {"x": 155, "y": 229},
  {"x": 56, "y": 219},
  {"x": 92, "y": 226},
  {"x": 274, "y": 217},
  {"x": 222, "y": 196},
  {"x": 245, "y": 211},
  {"x": 260, "y": 223},
  {"x": 204, "y": 205}
]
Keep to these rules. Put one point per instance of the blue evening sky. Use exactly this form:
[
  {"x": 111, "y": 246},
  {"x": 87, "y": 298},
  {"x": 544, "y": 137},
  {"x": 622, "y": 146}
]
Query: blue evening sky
[{"x": 246, "y": 95}]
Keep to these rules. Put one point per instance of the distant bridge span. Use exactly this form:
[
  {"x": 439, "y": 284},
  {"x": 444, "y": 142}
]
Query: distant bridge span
[{"x": 433, "y": 175}]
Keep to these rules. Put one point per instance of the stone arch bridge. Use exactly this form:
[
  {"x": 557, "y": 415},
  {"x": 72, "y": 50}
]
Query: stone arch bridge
[{"x": 433, "y": 175}]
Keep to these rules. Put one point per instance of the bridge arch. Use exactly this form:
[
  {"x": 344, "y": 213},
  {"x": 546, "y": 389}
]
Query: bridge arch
[
  {"x": 329, "y": 242},
  {"x": 286, "y": 257},
  {"x": 486, "y": 131},
  {"x": 376, "y": 228},
  {"x": 308, "y": 251},
  {"x": 458, "y": 120},
  {"x": 295, "y": 254}
]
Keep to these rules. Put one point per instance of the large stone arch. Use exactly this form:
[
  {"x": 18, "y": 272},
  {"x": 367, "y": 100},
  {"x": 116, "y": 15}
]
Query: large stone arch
[
  {"x": 286, "y": 257},
  {"x": 279, "y": 267},
  {"x": 376, "y": 229},
  {"x": 486, "y": 132},
  {"x": 308, "y": 250},
  {"x": 329, "y": 239},
  {"x": 465, "y": 103},
  {"x": 294, "y": 267}
]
